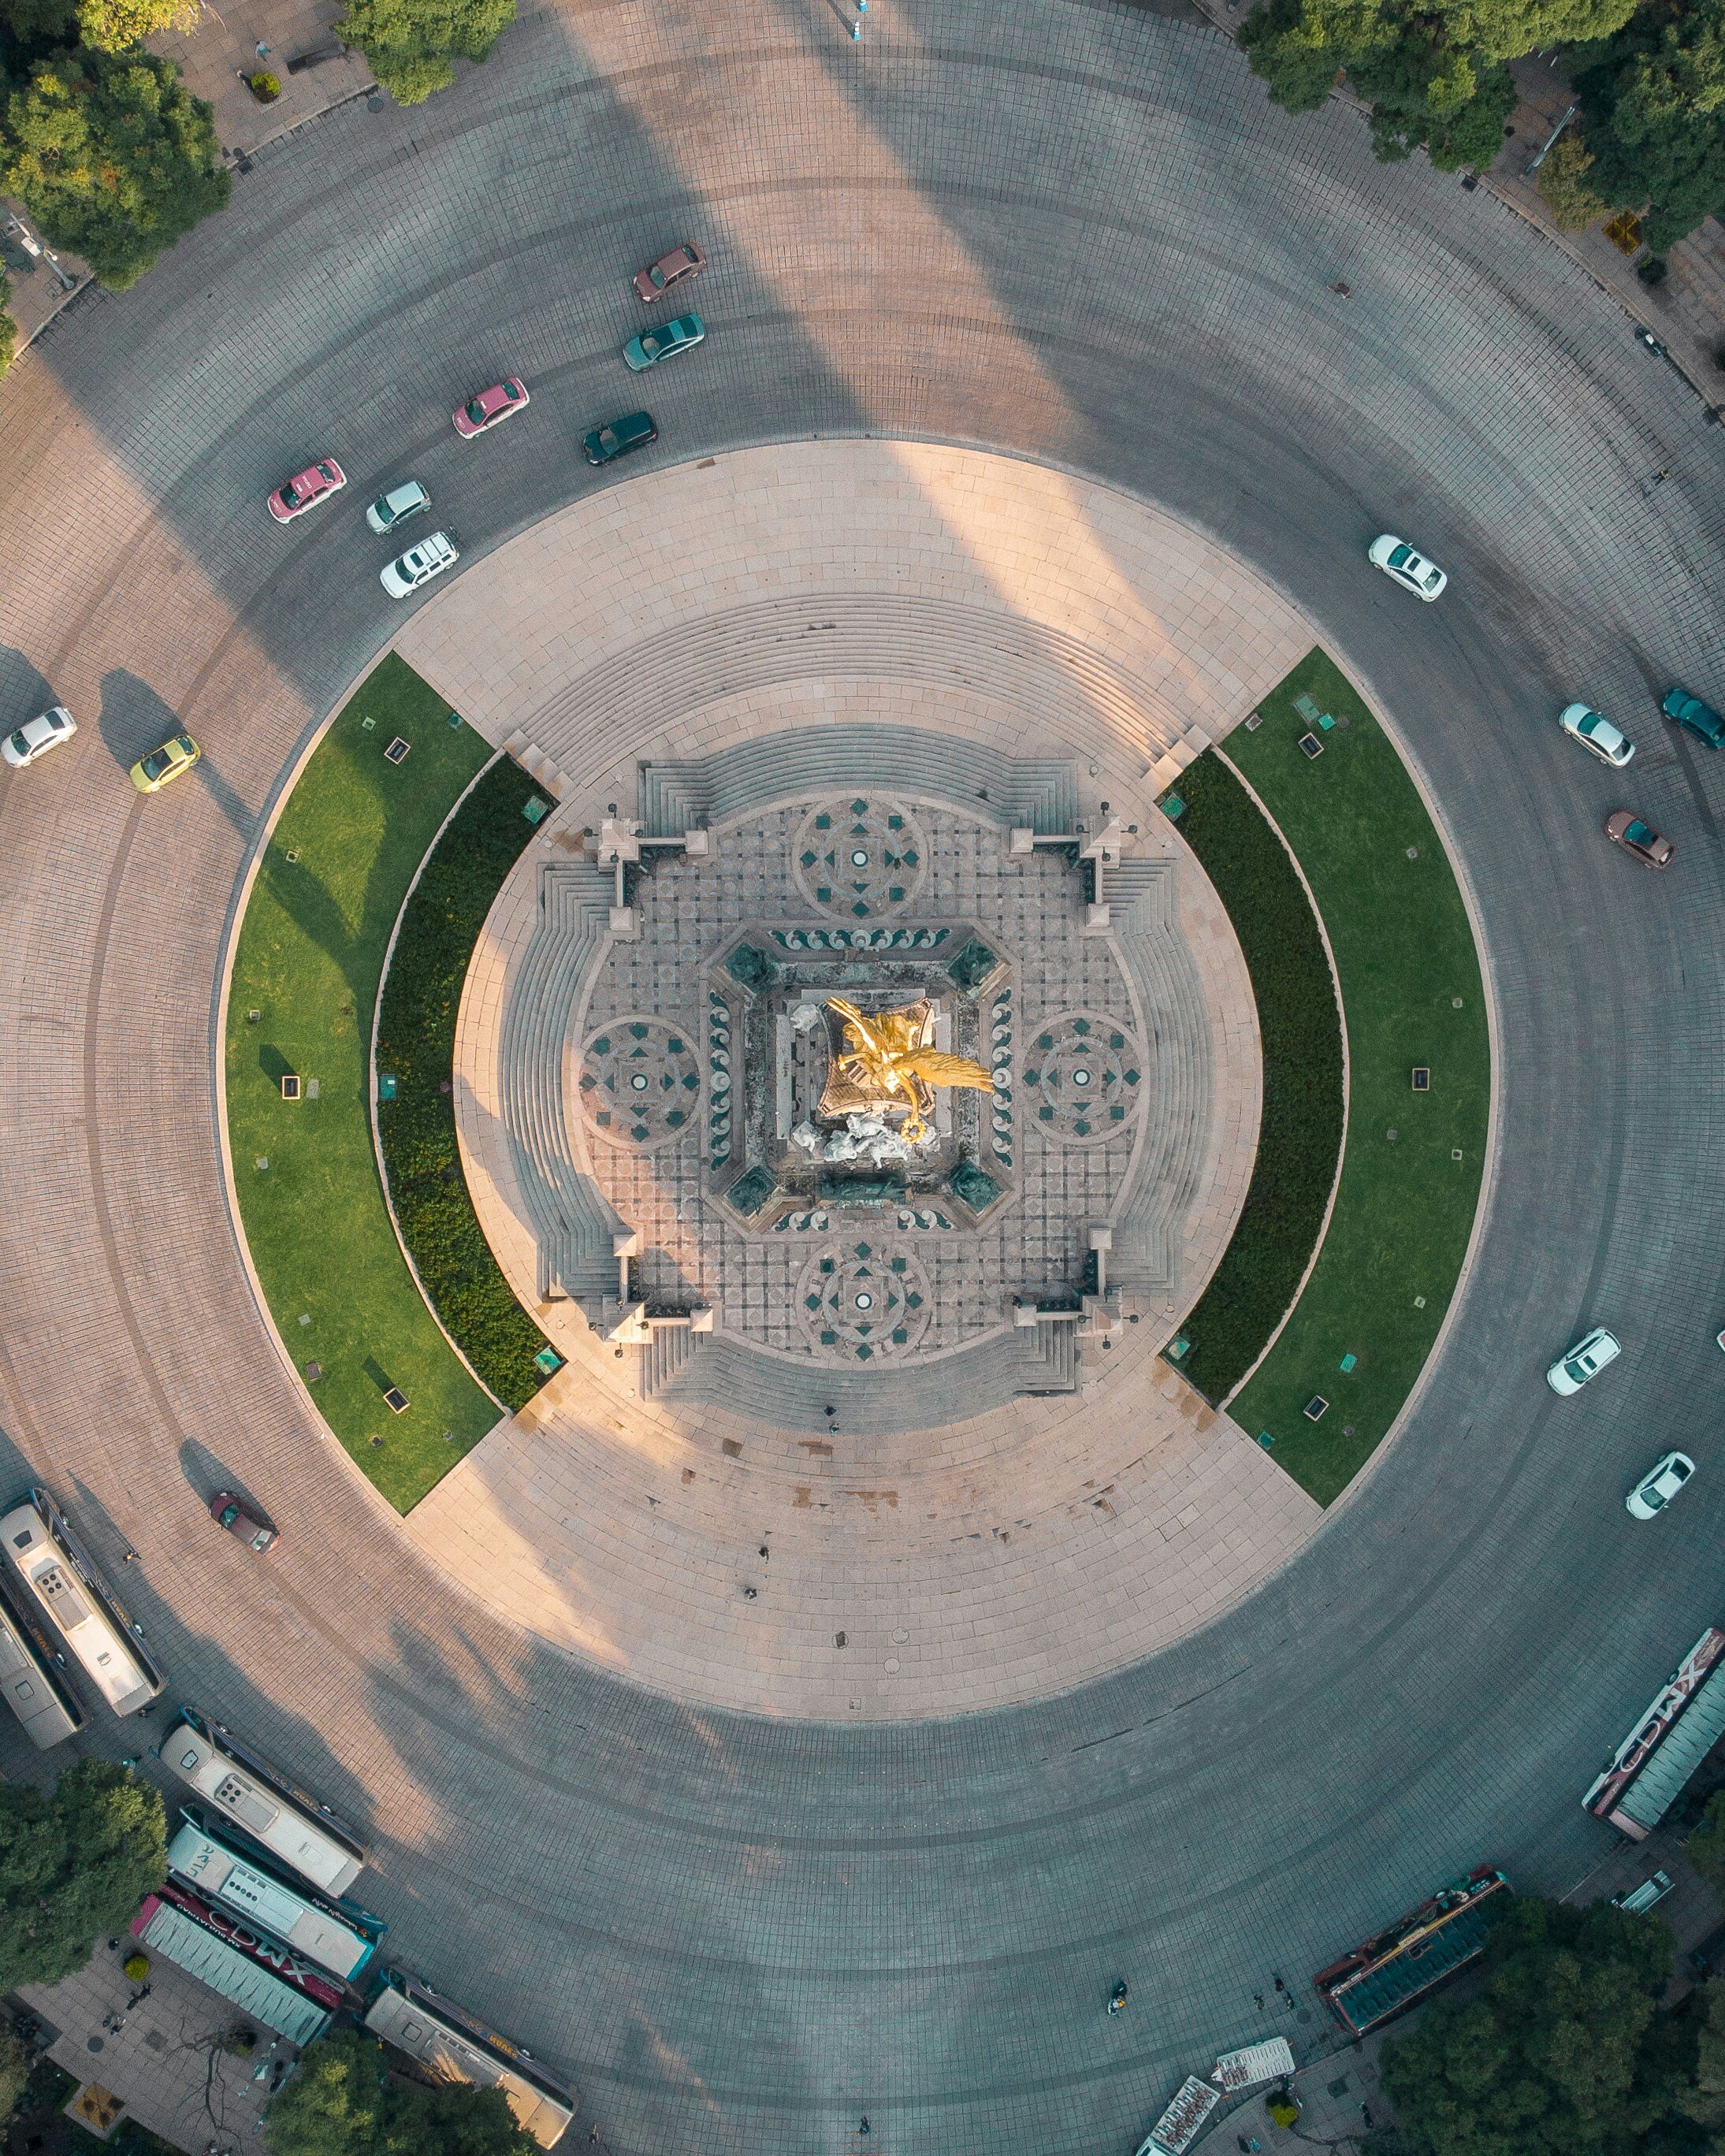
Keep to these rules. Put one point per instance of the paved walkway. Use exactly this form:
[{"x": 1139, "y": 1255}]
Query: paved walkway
[{"x": 963, "y": 1559}]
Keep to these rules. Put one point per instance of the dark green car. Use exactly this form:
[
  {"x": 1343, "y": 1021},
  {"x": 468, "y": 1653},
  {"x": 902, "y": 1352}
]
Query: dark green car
[
  {"x": 1695, "y": 717},
  {"x": 617, "y": 438}
]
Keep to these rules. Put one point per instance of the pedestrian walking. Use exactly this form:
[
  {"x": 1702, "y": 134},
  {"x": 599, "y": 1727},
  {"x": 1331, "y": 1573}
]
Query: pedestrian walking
[
  {"x": 865, "y": 2127},
  {"x": 1281, "y": 1987},
  {"x": 1258, "y": 2001}
]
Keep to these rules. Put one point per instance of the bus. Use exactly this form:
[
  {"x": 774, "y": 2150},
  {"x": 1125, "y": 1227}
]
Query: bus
[
  {"x": 80, "y": 1603},
  {"x": 224, "y": 1875},
  {"x": 35, "y": 1692},
  {"x": 452, "y": 2045},
  {"x": 1389, "y": 1972},
  {"x": 168, "y": 1925},
  {"x": 1645, "y": 1775},
  {"x": 293, "y": 1826}
]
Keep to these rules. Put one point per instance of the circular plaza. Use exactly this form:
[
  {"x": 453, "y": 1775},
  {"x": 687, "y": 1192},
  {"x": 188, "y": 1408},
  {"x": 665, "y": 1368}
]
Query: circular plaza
[{"x": 760, "y": 1766}]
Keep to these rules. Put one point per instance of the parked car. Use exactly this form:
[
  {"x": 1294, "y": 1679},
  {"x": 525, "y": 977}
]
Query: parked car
[
  {"x": 243, "y": 1520},
  {"x": 617, "y": 436},
  {"x": 1659, "y": 1486},
  {"x": 163, "y": 766},
  {"x": 1596, "y": 734},
  {"x": 404, "y": 575},
  {"x": 1585, "y": 1360},
  {"x": 1626, "y": 829},
  {"x": 306, "y": 488},
  {"x": 36, "y": 737},
  {"x": 397, "y": 506},
  {"x": 490, "y": 408},
  {"x": 656, "y": 280},
  {"x": 1697, "y": 717},
  {"x": 681, "y": 334},
  {"x": 1406, "y": 565}
]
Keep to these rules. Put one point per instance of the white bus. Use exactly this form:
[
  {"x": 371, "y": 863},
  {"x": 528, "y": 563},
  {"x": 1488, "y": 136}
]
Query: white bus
[
  {"x": 452, "y": 2045},
  {"x": 36, "y": 1694},
  {"x": 224, "y": 1876},
  {"x": 282, "y": 1819},
  {"x": 79, "y": 1605}
]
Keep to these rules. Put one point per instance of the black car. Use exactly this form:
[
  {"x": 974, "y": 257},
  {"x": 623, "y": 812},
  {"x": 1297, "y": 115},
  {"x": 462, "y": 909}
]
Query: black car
[{"x": 618, "y": 438}]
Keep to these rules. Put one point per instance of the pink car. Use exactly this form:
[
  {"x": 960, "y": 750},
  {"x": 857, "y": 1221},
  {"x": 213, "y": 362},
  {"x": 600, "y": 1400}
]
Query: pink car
[
  {"x": 490, "y": 406},
  {"x": 306, "y": 488},
  {"x": 656, "y": 280}
]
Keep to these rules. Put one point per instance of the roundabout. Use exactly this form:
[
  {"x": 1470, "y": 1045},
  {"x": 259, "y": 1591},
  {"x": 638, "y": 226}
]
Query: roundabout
[{"x": 736, "y": 1920}]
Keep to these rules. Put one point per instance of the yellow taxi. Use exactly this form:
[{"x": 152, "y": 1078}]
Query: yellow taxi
[{"x": 175, "y": 755}]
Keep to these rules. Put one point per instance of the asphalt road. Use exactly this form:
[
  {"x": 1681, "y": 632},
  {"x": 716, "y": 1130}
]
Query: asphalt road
[{"x": 1079, "y": 232}]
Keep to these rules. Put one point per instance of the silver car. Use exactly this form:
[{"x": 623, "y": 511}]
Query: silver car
[
  {"x": 25, "y": 743},
  {"x": 1659, "y": 1486},
  {"x": 1585, "y": 1360},
  {"x": 1406, "y": 565},
  {"x": 397, "y": 506},
  {"x": 1596, "y": 734}
]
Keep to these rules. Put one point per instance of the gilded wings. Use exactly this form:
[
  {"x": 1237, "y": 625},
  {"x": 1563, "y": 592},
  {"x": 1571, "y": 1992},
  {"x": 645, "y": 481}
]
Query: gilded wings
[{"x": 884, "y": 1052}]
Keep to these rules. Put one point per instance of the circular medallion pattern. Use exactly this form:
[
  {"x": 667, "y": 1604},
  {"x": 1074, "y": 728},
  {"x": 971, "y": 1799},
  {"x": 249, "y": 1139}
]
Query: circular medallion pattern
[
  {"x": 1083, "y": 1078},
  {"x": 864, "y": 859},
  {"x": 640, "y": 1082},
  {"x": 863, "y": 1303}
]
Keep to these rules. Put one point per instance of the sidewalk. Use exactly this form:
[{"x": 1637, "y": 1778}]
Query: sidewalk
[
  {"x": 38, "y": 292},
  {"x": 314, "y": 69},
  {"x": 164, "y": 2062}
]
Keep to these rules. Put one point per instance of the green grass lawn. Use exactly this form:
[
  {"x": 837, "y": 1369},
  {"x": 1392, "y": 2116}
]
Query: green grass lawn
[
  {"x": 311, "y": 947},
  {"x": 1412, "y": 993},
  {"x": 1299, "y": 1030}
]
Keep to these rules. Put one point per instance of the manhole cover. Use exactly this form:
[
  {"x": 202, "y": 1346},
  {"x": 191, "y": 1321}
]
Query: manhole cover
[
  {"x": 1303, "y": 2014},
  {"x": 93, "y": 2043}
]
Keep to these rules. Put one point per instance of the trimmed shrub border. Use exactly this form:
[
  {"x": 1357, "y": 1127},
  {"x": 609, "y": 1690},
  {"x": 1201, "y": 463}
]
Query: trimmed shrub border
[
  {"x": 414, "y": 1042},
  {"x": 1300, "y": 1025}
]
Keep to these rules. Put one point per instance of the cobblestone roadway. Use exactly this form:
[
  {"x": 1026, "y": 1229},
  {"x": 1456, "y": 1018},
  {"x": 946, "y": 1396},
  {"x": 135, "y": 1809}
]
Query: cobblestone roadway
[{"x": 1058, "y": 229}]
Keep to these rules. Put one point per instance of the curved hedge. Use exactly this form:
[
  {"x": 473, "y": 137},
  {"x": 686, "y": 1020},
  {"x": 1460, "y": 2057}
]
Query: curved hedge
[
  {"x": 1300, "y": 1027},
  {"x": 416, "y": 1044}
]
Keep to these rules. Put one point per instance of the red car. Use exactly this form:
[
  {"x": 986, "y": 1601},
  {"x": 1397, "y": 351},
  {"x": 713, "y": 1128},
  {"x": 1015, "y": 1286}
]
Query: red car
[
  {"x": 306, "y": 488},
  {"x": 656, "y": 280},
  {"x": 234, "y": 1514},
  {"x": 490, "y": 406}
]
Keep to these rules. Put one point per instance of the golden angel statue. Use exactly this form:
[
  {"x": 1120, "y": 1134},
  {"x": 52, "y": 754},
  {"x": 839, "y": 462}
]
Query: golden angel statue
[{"x": 883, "y": 1056}]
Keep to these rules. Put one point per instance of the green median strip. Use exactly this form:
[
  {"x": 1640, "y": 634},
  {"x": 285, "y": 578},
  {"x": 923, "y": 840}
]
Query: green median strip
[
  {"x": 416, "y": 1046},
  {"x": 1419, "y": 1078},
  {"x": 304, "y": 985}
]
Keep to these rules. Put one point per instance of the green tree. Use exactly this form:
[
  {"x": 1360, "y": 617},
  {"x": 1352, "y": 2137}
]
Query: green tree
[
  {"x": 341, "y": 2103},
  {"x": 14, "y": 2072},
  {"x": 1705, "y": 1845},
  {"x": 1654, "y": 99},
  {"x": 1559, "y": 2056},
  {"x": 110, "y": 25},
  {"x": 1568, "y": 188},
  {"x": 73, "y": 1865},
  {"x": 112, "y": 157},
  {"x": 413, "y": 44},
  {"x": 1433, "y": 74}
]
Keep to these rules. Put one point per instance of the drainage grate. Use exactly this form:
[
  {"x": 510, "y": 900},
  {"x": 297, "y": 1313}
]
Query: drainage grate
[
  {"x": 1317, "y": 1407},
  {"x": 396, "y": 752},
  {"x": 396, "y": 1400},
  {"x": 1310, "y": 744}
]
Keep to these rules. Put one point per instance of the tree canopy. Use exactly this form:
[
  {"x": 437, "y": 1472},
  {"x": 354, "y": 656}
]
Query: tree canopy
[
  {"x": 413, "y": 44},
  {"x": 73, "y": 1867},
  {"x": 110, "y": 25},
  {"x": 341, "y": 2103},
  {"x": 1653, "y": 96},
  {"x": 112, "y": 157},
  {"x": 1565, "y": 2052}
]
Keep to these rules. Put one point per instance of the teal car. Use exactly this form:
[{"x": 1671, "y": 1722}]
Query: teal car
[
  {"x": 1695, "y": 717},
  {"x": 652, "y": 346}
]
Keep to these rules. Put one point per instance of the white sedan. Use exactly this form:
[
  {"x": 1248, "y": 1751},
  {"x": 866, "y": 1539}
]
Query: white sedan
[
  {"x": 38, "y": 736},
  {"x": 1596, "y": 734},
  {"x": 406, "y": 573},
  {"x": 1406, "y": 565},
  {"x": 1585, "y": 1360},
  {"x": 1659, "y": 1486}
]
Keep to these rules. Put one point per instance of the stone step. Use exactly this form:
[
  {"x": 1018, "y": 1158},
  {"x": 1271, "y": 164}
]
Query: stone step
[
  {"x": 1041, "y": 795},
  {"x": 1063, "y": 686}
]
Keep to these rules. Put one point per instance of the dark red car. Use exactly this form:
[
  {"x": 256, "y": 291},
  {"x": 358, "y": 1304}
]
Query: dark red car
[
  {"x": 238, "y": 1518},
  {"x": 656, "y": 280}
]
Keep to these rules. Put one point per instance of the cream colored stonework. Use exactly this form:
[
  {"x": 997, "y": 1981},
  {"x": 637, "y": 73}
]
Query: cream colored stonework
[{"x": 978, "y": 1558}]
